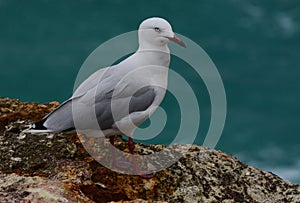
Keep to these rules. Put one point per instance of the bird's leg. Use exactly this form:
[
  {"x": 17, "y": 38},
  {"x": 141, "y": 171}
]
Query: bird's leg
[
  {"x": 143, "y": 174},
  {"x": 131, "y": 145},
  {"x": 112, "y": 140},
  {"x": 117, "y": 162}
]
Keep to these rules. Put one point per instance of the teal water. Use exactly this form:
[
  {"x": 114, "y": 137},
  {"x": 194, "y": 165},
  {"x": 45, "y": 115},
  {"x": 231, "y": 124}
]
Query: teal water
[{"x": 254, "y": 44}]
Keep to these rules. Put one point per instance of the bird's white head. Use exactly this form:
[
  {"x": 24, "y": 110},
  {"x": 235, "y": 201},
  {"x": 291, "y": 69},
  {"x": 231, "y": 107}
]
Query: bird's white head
[{"x": 155, "y": 33}]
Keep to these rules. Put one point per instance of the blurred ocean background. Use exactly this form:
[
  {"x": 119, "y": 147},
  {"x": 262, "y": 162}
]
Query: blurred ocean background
[{"x": 254, "y": 44}]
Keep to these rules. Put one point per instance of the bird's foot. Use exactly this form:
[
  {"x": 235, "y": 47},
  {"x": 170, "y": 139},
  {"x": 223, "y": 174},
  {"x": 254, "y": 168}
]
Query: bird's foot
[{"x": 145, "y": 174}]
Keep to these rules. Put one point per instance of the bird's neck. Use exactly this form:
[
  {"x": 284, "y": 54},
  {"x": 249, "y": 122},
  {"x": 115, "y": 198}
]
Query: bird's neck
[
  {"x": 154, "y": 47},
  {"x": 154, "y": 54},
  {"x": 154, "y": 57}
]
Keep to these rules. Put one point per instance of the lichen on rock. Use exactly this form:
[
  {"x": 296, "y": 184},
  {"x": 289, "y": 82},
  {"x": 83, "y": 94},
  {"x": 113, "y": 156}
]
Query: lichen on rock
[{"x": 57, "y": 168}]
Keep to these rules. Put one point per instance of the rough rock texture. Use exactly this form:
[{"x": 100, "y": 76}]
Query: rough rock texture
[{"x": 57, "y": 168}]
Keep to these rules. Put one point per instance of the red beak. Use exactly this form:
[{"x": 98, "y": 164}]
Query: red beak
[{"x": 177, "y": 40}]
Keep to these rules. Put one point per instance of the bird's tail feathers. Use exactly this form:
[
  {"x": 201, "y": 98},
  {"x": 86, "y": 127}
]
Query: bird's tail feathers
[{"x": 37, "y": 128}]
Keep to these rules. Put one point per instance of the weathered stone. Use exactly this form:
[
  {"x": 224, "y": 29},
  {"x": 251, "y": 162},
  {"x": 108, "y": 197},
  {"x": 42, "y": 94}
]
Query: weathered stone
[
  {"x": 57, "y": 168},
  {"x": 15, "y": 188}
]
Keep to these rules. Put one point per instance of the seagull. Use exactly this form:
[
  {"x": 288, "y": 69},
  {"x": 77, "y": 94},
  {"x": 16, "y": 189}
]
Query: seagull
[{"x": 117, "y": 99}]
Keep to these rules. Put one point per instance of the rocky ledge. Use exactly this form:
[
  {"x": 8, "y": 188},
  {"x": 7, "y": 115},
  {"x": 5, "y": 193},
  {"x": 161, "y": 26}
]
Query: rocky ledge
[{"x": 57, "y": 168}]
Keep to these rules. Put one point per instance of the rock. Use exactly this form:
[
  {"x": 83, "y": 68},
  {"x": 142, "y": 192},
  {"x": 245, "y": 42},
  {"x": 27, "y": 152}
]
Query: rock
[
  {"x": 13, "y": 109},
  {"x": 15, "y": 188},
  {"x": 5, "y": 110},
  {"x": 57, "y": 168}
]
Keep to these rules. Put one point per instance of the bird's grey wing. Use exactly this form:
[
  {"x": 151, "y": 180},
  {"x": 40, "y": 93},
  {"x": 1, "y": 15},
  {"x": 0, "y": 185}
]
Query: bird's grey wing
[
  {"x": 142, "y": 99},
  {"x": 139, "y": 101},
  {"x": 60, "y": 119},
  {"x": 79, "y": 108}
]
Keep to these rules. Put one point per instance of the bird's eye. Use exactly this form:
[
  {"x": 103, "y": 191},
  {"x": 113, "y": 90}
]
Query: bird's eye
[{"x": 157, "y": 29}]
